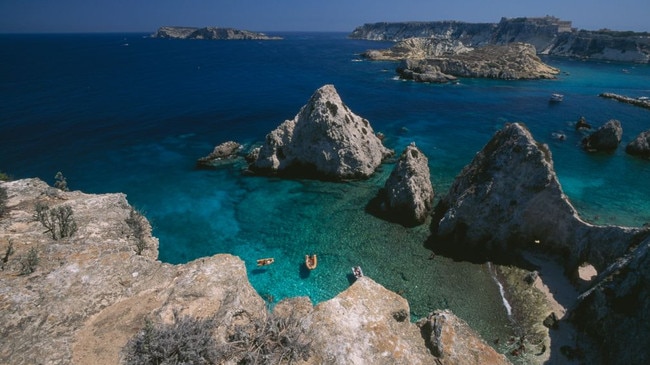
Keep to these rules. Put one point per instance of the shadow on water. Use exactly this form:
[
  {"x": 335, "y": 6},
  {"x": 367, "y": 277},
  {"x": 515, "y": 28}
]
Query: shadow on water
[
  {"x": 304, "y": 271},
  {"x": 351, "y": 278},
  {"x": 259, "y": 271}
]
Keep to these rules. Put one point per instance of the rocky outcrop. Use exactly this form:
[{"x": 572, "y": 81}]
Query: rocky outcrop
[
  {"x": 223, "y": 152},
  {"x": 515, "y": 61},
  {"x": 640, "y": 146},
  {"x": 606, "y": 138},
  {"x": 211, "y": 33},
  {"x": 407, "y": 196},
  {"x": 325, "y": 140},
  {"x": 90, "y": 293},
  {"x": 509, "y": 197},
  {"x": 473, "y": 34},
  {"x": 422, "y": 71},
  {"x": 549, "y": 35},
  {"x": 442, "y": 331},
  {"x": 616, "y": 311},
  {"x": 418, "y": 49},
  {"x": 641, "y": 102}
]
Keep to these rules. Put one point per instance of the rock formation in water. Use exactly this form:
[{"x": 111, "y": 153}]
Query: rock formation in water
[
  {"x": 89, "y": 293},
  {"x": 407, "y": 196},
  {"x": 515, "y": 61},
  {"x": 548, "y": 34},
  {"x": 418, "y": 49},
  {"x": 325, "y": 139},
  {"x": 509, "y": 197},
  {"x": 211, "y": 33},
  {"x": 640, "y": 146},
  {"x": 606, "y": 138},
  {"x": 641, "y": 102},
  {"x": 223, "y": 152}
]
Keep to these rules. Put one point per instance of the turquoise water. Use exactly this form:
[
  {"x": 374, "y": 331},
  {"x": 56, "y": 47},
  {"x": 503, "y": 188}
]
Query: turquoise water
[{"x": 122, "y": 112}]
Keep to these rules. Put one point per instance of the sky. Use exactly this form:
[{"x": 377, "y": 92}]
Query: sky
[{"x": 83, "y": 16}]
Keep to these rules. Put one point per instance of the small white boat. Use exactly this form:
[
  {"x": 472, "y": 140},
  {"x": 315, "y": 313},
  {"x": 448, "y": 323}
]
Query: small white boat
[{"x": 556, "y": 98}]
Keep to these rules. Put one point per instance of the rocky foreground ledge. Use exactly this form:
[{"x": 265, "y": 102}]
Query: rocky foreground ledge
[
  {"x": 89, "y": 292},
  {"x": 210, "y": 33}
]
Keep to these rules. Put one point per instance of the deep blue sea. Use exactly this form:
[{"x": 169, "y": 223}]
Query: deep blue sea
[{"x": 127, "y": 113}]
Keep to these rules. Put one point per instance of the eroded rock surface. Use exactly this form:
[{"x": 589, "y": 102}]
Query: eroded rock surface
[
  {"x": 223, "y": 152},
  {"x": 91, "y": 292},
  {"x": 606, "y": 138},
  {"x": 509, "y": 196},
  {"x": 418, "y": 49},
  {"x": 325, "y": 139},
  {"x": 640, "y": 146},
  {"x": 408, "y": 195},
  {"x": 514, "y": 61}
]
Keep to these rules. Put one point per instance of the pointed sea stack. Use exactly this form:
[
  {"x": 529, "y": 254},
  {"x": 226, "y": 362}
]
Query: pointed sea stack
[
  {"x": 325, "y": 140},
  {"x": 407, "y": 196},
  {"x": 509, "y": 197},
  {"x": 640, "y": 146}
]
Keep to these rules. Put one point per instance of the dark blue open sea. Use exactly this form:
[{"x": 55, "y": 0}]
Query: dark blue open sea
[{"x": 127, "y": 113}]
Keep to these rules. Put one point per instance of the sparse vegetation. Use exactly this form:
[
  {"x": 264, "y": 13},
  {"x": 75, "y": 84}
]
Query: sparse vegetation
[
  {"x": 59, "y": 222},
  {"x": 187, "y": 340},
  {"x": 8, "y": 252},
  {"x": 190, "y": 340},
  {"x": 4, "y": 176},
  {"x": 30, "y": 262},
  {"x": 60, "y": 182},
  {"x": 274, "y": 341},
  {"x": 137, "y": 222},
  {"x": 3, "y": 200}
]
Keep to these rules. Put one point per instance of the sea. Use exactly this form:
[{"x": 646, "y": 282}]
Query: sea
[{"x": 129, "y": 113}]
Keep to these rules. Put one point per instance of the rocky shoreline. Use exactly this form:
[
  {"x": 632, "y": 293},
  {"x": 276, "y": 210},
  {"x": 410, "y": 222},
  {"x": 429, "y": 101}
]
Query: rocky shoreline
[
  {"x": 80, "y": 297},
  {"x": 549, "y": 35}
]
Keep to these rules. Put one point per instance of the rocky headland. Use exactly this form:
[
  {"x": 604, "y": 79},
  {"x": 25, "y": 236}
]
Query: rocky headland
[
  {"x": 515, "y": 61},
  {"x": 324, "y": 140},
  {"x": 210, "y": 33},
  {"x": 549, "y": 35},
  {"x": 508, "y": 199},
  {"x": 81, "y": 298}
]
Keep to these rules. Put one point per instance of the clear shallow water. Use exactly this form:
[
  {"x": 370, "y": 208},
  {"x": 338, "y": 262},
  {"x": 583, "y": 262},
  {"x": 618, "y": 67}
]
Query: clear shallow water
[{"x": 121, "y": 112}]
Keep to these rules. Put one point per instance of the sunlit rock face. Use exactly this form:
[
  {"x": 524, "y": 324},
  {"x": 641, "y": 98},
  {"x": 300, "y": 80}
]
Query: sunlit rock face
[{"x": 325, "y": 139}]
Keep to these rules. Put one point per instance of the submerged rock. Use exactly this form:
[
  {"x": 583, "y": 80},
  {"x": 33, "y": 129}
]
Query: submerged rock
[
  {"x": 325, "y": 139},
  {"x": 225, "y": 151},
  {"x": 606, "y": 138},
  {"x": 407, "y": 196},
  {"x": 640, "y": 146}
]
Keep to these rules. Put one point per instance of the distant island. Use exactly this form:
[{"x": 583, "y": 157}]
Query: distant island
[
  {"x": 549, "y": 35},
  {"x": 210, "y": 33}
]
